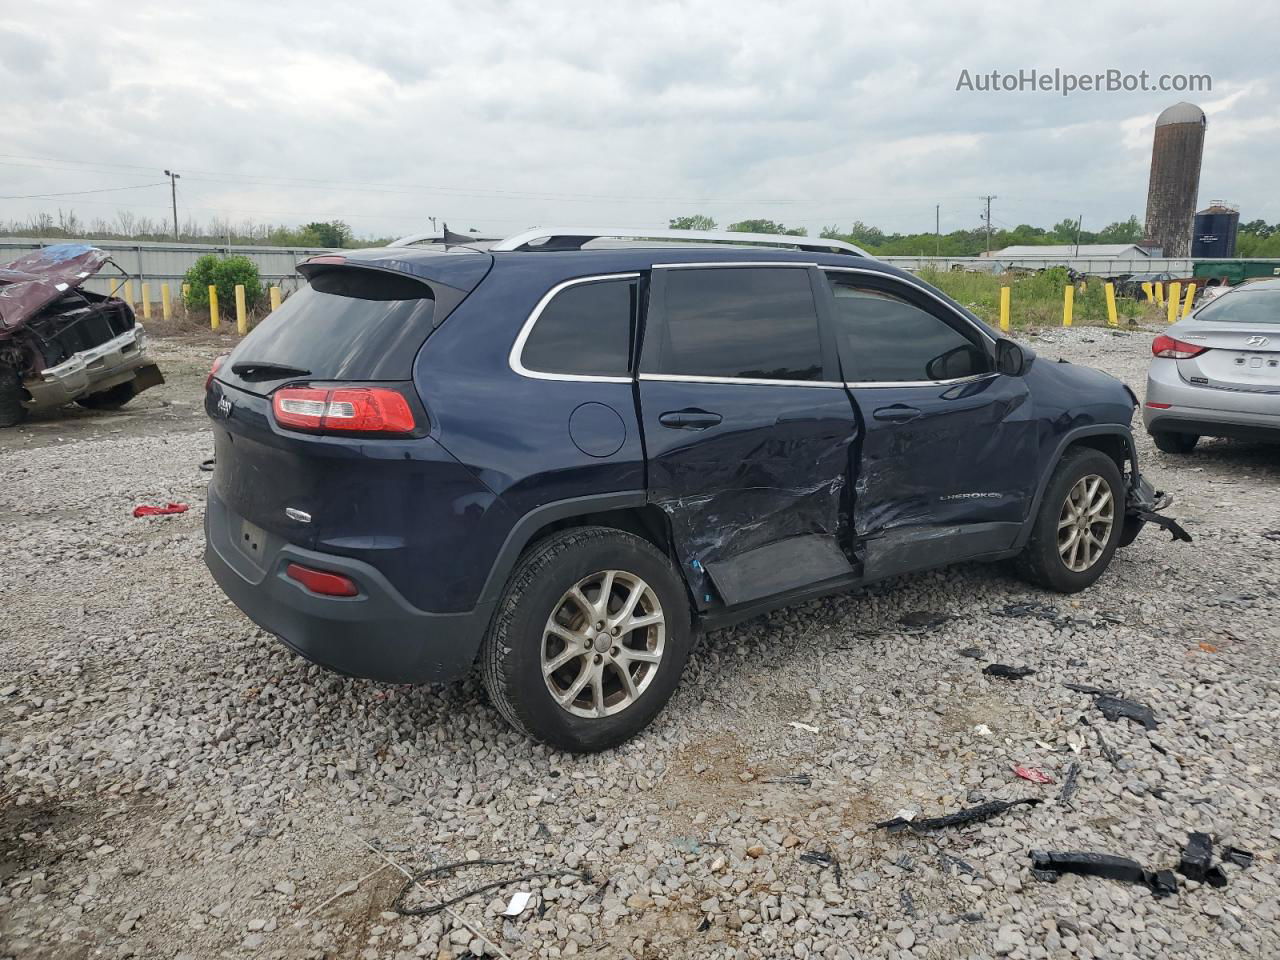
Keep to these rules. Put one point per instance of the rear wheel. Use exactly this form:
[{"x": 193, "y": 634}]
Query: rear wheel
[
  {"x": 12, "y": 410},
  {"x": 589, "y": 640},
  {"x": 110, "y": 399},
  {"x": 1174, "y": 442},
  {"x": 1079, "y": 524}
]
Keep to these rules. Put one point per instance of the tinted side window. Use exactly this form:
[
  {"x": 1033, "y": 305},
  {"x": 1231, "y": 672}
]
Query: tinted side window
[
  {"x": 883, "y": 338},
  {"x": 757, "y": 323},
  {"x": 586, "y": 330}
]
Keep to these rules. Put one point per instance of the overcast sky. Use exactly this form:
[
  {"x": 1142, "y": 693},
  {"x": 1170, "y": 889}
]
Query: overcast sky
[{"x": 503, "y": 115}]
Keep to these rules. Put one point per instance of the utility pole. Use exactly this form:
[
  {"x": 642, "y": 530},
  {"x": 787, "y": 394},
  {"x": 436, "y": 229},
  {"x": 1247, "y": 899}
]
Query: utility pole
[
  {"x": 1079, "y": 221},
  {"x": 937, "y": 229},
  {"x": 988, "y": 218},
  {"x": 173, "y": 193},
  {"x": 433, "y": 224}
]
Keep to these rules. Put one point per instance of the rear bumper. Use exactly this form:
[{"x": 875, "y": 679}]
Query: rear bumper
[
  {"x": 377, "y": 635},
  {"x": 1208, "y": 412}
]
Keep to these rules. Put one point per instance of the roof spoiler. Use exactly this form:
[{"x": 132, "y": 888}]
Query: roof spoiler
[{"x": 572, "y": 238}]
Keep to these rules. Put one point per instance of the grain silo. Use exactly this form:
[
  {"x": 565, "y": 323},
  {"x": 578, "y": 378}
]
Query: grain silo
[
  {"x": 1215, "y": 231},
  {"x": 1175, "y": 178}
]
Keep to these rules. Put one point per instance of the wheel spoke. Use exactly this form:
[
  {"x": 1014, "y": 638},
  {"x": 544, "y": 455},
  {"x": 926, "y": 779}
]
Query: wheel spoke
[
  {"x": 569, "y": 653},
  {"x": 580, "y": 598},
  {"x": 629, "y": 607},
  {"x": 584, "y": 676},
  {"x": 635, "y": 623},
  {"x": 606, "y": 590},
  {"x": 639, "y": 656},
  {"x": 628, "y": 684},
  {"x": 1066, "y": 544},
  {"x": 597, "y": 690},
  {"x": 564, "y": 633}
]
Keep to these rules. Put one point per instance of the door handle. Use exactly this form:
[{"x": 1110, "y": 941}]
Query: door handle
[
  {"x": 897, "y": 413},
  {"x": 692, "y": 419}
]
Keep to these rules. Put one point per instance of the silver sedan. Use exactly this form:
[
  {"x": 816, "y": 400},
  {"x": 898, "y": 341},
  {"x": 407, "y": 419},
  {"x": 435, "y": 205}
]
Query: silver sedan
[{"x": 1217, "y": 373}]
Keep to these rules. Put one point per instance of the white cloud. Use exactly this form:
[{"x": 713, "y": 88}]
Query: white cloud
[{"x": 498, "y": 115}]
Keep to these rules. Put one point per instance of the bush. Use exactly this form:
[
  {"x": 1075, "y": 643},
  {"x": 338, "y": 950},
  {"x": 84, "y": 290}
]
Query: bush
[{"x": 223, "y": 273}]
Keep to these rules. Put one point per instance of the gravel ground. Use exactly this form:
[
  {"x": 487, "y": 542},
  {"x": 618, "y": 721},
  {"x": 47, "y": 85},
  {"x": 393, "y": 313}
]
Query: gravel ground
[{"x": 174, "y": 783}]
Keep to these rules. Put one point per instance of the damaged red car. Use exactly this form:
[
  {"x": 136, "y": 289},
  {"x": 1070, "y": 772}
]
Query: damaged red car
[{"x": 61, "y": 343}]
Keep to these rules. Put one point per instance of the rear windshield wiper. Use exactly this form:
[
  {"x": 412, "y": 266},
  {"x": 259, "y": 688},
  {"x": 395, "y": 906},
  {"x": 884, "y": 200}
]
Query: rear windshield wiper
[{"x": 266, "y": 370}]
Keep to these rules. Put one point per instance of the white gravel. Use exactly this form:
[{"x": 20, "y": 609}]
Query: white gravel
[{"x": 175, "y": 783}]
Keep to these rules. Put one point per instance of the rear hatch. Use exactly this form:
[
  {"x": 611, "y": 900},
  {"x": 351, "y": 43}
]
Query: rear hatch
[
  {"x": 1240, "y": 334},
  {"x": 347, "y": 339}
]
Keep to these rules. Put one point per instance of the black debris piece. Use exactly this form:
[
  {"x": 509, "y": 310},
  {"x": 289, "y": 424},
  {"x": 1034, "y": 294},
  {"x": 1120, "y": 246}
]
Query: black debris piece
[
  {"x": 1038, "y": 611},
  {"x": 983, "y": 811},
  {"x": 799, "y": 779},
  {"x": 971, "y": 917},
  {"x": 1197, "y": 857},
  {"x": 1006, "y": 671},
  {"x": 823, "y": 859},
  {"x": 1271, "y": 535},
  {"x": 950, "y": 863},
  {"x": 1241, "y": 858},
  {"x": 1069, "y": 783},
  {"x": 908, "y": 904},
  {"x": 1160, "y": 520},
  {"x": 973, "y": 653},
  {"x": 1090, "y": 690},
  {"x": 207, "y": 465},
  {"x": 1049, "y": 865},
  {"x": 705, "y": 925},
  {"x": 921, "y": 619},
  {"x": 1159, "y": 749},
  {"x": 1113, "y": 708},
  {"x": 904, "y": 862}
]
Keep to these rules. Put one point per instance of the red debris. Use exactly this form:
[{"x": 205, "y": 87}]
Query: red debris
[
  {"x": 146, "y": 510},
  {"x": 1033, "y": 774}
]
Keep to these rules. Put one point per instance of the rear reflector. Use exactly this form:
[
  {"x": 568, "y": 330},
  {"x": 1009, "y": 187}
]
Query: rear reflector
[
  {"x": 1158, "y": 406},
  {"x": 322, "y": 582},
  {"x": 217, "y": 362},
  {"x": 344, "y": 409},
  {"x": 1171, "y": 349}
]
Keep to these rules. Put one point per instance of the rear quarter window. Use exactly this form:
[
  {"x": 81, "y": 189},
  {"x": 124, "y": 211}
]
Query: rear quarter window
[{"x": 346, "y": 324}]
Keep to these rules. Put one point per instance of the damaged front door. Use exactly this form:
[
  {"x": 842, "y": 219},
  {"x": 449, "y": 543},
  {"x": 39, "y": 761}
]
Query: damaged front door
[
  {"x": 747, "y": 428},
  {"x": 948, "y": 456}
]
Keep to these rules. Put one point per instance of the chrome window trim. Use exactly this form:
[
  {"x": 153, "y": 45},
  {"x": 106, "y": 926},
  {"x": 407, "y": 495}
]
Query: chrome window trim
[
  {"x": 917, "y": 285},
  {"x": 862, "y": 384},
  {"x": 688, "y": 378},
  {"x": 734, "y": 263},
  {"x": 515, "y": 357}
]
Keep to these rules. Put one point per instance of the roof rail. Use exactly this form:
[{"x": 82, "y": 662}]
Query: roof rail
[{"x": 572, "y": 238}]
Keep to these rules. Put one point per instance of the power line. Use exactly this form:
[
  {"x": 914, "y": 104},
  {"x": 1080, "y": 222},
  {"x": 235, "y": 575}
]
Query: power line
[{"x": 75, "y": 193}]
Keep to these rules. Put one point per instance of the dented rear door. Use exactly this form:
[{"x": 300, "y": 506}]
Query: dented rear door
[{"x": 946, "y": 466}]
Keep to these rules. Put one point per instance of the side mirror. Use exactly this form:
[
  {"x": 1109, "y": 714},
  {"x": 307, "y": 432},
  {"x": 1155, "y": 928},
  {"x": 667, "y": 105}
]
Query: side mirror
[{"x": 1011, "y": 360}]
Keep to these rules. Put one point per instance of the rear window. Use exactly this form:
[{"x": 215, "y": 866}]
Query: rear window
[
  {"x": 346, "y": 324},
  {"x": 586, "y": 330},
  {"x": 1243, "y": 306}
]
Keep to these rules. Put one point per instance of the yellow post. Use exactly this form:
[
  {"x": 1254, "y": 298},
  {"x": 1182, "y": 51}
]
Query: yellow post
[
  {"x": 1112, "y": 319},
  {"x": 1191, "y": 296},
  {"x": 214, "y": 323},
  {"x": 1175, "y": 300},
  {"x": 166, "y": 302},
  {"x": 1160, "y": 293},
  {"x": 111, "y": 287},
  {"x": 242, "y": 317},
  {"x": 128, "y": 292},
  {"x": 1148, "y": 292},
  {"x": 146, "y": 301},
  {"x": 1004, "y": 309},
  {"x": 1084, "y": 286},
  {"x": 1068, "y": 299},
  {"x": 275, "y": 299},
  {"x": 186, "y": 292}
]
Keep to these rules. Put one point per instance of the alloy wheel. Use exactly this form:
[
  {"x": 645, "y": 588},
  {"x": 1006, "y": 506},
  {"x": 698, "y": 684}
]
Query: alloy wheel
[{"x": 1085, "y": 523}]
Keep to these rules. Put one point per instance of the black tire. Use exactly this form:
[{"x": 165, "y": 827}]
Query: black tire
[
  {"x": 1174, "y": 442},
  {"x": 12, "y": 409},
  {"x": 110, "y": 399},
  {"x": 511, "y": 656},
  {"x": 1040, "y": 561}
]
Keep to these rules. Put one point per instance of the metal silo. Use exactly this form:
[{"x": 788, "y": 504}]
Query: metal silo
[
  {"x": 1175, "y": 178},
  {"x": 1215, "y": 231}
]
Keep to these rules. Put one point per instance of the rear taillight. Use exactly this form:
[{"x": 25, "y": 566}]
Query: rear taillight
[
  {"x": 343, "y": 409},
  {"x": 322, "y": 581},
  {"x": 1171, "y": 349},
  {"x": 217, "y": 362}
]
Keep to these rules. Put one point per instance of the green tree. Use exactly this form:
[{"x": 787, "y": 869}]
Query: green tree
[
  {"x": 335, "y": 233},
  {"x": 223, "y": 273},
  {"x": 767, "y": 226},
  {"x": 698, "y": 221},
  {"x": 1122, "y": 231}
]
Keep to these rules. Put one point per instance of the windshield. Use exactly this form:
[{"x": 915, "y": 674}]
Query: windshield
[
  {"x": 1243, "y": 306},
  {"x": 346, "y": 324}
]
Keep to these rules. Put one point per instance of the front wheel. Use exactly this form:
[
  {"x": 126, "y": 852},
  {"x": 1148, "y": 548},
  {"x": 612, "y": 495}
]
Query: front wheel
[
  {"x": 12, "y": 410},
  {"x": 1078, "y": 526},
  {"x": 589, "y": 641}
]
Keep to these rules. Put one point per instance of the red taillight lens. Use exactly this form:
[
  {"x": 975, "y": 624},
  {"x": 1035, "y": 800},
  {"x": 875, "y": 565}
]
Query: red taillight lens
[
  {"x": 346, "y": 409},
  {"x": 321, "y": 581},
  {"x": 217, "y": 362},
  {"x": 1158, "y": 406},
  {"x": 1171, "y": 349}
]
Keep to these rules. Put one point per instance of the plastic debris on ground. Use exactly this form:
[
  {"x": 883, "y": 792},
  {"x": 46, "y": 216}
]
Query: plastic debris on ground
[
  {"x": 808, "y": 728},
  {"x": 983, "y": 811},
  {"x": 982, "y": 730},
  {"x": 519, "y": 900},
  {"x": 1033, "y": 774},
  {"x": 146, "y": 510},
  {"x": 799, "y": 779},
  {"x": 1049, "y": 865},
  {"x": 1113, "y": 708},
  {"x": 824, "y": 860},
  {"x": 1090, "y": 690},
  {"x": 1007, "y": 672},
  {"x": 973, "y": 653},
  {"x": 922, "y": 619},
  {"x": 1069, "y": 783}
]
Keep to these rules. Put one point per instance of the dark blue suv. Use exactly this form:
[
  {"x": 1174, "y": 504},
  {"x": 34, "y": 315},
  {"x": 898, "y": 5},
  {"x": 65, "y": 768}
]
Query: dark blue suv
[{"x": 561, "y": 461}]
